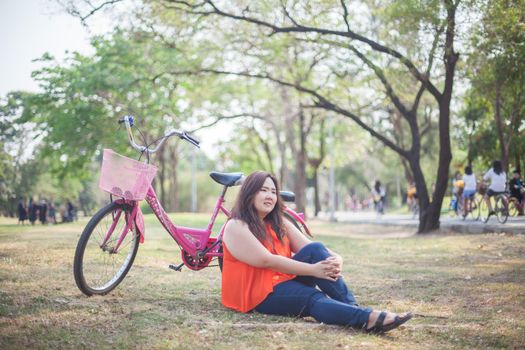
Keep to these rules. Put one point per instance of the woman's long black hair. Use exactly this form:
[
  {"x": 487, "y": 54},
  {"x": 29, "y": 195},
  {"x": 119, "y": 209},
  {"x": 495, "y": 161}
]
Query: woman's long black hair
[{"x": 245, "y": 210}]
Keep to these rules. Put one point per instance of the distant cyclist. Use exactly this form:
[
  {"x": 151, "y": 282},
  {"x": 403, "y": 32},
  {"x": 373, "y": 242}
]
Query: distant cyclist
[
  {"x": 516, "y": 189},
  {"x": 498, "y": 182},
  {"x": 469, "y": 189},
  {"x": 379, "y": 194},
  {"x": 412, "y": 200}
]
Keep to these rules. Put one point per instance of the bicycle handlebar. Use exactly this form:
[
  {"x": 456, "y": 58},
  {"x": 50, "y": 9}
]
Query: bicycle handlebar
[{"x": 128, "y": 120}]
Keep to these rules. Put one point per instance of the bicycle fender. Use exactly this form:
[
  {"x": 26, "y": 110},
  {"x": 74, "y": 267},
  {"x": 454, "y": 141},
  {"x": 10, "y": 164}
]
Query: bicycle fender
[
  {"x": 139, "y": 223},
  {"x": 298, "y": 217}
]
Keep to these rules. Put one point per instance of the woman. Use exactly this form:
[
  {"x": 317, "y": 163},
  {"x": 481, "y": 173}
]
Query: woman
[
  {"x": 259, "y": 272},
  {"x": 469, "y": 190},
  {"x": 498, "y": 182}
]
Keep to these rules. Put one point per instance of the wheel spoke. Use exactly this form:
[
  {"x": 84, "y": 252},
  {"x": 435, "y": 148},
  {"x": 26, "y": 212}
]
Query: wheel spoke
[{"x": 98, "y": 269}]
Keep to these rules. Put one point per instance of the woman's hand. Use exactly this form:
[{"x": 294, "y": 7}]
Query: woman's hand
[
  {"x": 326, "y": 269},
  {"x": 338, "y": 261}
]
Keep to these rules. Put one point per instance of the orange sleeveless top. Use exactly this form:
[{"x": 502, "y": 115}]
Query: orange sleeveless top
[{"x": 245, "y": 286}]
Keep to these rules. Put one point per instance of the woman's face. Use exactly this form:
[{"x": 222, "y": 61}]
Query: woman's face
[{"x": 265, "y": 200}]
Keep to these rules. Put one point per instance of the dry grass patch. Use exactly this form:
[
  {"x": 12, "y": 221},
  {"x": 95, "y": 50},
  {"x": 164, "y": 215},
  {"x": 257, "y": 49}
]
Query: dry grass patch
[{"x": 467, "y": 292}]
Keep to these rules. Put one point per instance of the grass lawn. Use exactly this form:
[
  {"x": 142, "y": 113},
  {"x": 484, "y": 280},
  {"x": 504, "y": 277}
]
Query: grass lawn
[{"x": 467, "y": 291}]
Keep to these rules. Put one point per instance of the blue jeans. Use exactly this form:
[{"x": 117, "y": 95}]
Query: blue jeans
[{"x": 330, "y": 303}]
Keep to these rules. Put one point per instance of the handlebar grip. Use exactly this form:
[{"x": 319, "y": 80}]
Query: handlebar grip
[
  {"x": 193, "y": 140},
  {"x": 127, "y": 117}
]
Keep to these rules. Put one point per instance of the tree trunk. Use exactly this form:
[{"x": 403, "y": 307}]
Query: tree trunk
[
  {"x": 409, "y": 177},
  {"x": 500, "y": 131},
  {"x": 317, "y": 200},
  {"x": 430, "y": 212},
  {"x": 300, "y": 168},
  {"x": 174, "y": 197}
]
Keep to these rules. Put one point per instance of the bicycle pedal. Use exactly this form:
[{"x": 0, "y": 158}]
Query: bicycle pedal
[{"x": 176, "y": 267}]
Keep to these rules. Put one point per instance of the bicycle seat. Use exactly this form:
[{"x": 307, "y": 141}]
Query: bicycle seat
[
  {"x": 287, "y": 196},
  {"x": 226, "y": 179}
]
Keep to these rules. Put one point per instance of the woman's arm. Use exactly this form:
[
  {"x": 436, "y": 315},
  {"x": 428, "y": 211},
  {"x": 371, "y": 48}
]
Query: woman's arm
[
  {"x": 243, "y": 245},
  {"x": 298, "y": 241}
]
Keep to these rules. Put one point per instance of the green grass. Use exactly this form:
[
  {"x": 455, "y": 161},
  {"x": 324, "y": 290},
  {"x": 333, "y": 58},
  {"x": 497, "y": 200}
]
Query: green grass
[{"x": 467, "y": 291}]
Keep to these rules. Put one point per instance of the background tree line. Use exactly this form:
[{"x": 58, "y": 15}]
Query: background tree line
[{"x": 281, "y": 75}]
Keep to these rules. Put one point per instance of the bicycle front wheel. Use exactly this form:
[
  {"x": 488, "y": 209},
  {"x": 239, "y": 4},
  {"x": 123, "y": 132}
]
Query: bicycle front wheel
[
  {"x": 484, "y": 210},
  {"x": 98, "y": 269},
  {"x": 513, "y": 207},
  {"x": 474, "y": 206},
  {"x": 502, "y": 209}
]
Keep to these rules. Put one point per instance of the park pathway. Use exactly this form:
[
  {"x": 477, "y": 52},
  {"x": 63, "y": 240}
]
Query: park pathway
[{"x": 513, "y": 225}]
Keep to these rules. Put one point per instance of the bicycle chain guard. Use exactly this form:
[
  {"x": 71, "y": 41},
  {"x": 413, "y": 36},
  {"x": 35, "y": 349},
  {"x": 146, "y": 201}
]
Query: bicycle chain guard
[{"x": 194, "y": 263}]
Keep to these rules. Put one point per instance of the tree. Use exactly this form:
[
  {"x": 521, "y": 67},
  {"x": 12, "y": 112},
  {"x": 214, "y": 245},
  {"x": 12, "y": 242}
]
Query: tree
[
  {"x": 317, "y": 26},
  {"x": 498, "y": 81}
]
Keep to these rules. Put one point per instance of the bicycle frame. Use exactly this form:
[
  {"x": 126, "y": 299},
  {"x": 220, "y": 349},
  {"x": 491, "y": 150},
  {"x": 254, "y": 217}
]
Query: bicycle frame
[{"x": 195, "y": 242}]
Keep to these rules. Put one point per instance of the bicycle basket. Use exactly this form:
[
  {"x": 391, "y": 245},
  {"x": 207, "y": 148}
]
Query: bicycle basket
[
  {"x": 125, "y": 177},
  {"x": 482, "y": 188}
]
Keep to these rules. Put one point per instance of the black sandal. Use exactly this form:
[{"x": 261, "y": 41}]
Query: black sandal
[{"x": 380, "y": 328}]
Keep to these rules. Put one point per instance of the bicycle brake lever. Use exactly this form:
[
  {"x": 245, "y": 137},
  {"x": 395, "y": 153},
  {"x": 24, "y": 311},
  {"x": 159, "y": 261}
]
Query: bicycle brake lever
[{"x": 190, "y": 139}]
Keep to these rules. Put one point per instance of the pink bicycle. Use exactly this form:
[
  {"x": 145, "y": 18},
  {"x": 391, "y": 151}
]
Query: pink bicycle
[{"x": 109, "y": 243}]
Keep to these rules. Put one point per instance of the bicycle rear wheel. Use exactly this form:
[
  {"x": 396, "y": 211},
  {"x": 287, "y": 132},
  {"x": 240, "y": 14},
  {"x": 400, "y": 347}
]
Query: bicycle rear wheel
[
  {"x": 97, "y": 268},
  {"x": 294, "y": 222},
  {"x": 502, "y": 209}
]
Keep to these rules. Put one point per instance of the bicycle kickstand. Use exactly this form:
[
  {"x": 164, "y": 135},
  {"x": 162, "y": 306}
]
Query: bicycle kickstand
[{"x": 176, "y": 267}]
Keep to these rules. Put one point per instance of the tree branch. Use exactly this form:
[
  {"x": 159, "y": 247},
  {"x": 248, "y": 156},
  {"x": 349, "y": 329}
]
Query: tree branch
[
  {"x": 298, "y": 28},
  {"x": 389, "y": 89},
  {"x": 75, "y": 12},
  {"x": 220, "y": 118},
  {"x": 345, "y": 14},
  {"x": 321, "y": 102},
  {"x": 439, "y": 31}
]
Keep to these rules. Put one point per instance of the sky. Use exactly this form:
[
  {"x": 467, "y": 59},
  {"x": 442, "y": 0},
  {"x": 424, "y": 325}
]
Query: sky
[{"x": 28, "y": 29}]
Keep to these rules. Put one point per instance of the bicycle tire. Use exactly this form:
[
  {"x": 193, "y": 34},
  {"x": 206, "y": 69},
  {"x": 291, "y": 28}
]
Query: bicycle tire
[
  {"x": 483, "y": 210},
  {"x": 294, "y": 222},
  {"x": 220, "y": 259},
  {"x": 459, "y": 207},
  {"x": 513, "y": 207},
  {"x": 474, "y": 207},
  {"x": 415, "y": 211},
  {"x": 502, "y": 209},
  {"x": 89, "y": 251}
]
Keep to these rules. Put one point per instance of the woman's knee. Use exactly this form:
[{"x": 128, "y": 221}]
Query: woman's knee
[
  {"x": 316, "y": 250},
  {"x": 316, "y": 247}
]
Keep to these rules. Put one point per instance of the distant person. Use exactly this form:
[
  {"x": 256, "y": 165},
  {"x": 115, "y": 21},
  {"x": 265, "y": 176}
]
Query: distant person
[
  {"x": 412, "y": 200},
  {"x": 70, "y": 211},
  {"x": 32, "y": 211},
  {"x": 379, "y": 194},
  {"x": 469, "y": 189},
  {"x": 51, "y": 214},
  {"x": 457, "y": 190},
  {"x": 42, "y": 212},
  {"x": 21, "y": 211},
  {"x": 63, "y": 214},
  {"x": 498, "y": 182},
  {"x": 516, "y": 189}
]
